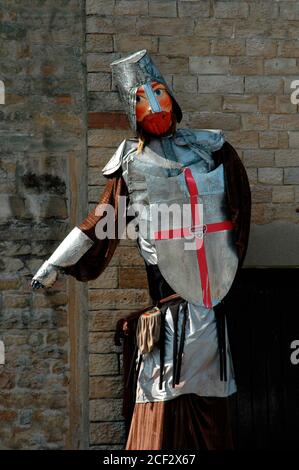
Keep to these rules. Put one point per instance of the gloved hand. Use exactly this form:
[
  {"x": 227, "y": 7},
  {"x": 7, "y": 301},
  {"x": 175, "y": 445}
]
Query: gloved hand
[
  {"x": 36, "y": 284},
  {"x": 46, "y": 275}
]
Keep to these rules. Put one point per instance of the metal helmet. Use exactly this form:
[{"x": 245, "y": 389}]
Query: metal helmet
[{"x": 133, "y": 71}]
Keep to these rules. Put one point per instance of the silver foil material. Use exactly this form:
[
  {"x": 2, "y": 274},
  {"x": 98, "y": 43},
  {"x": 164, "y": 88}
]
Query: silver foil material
[
  {"x": 47, "y": 274},
  {"x": 151, "y": 178},
  {"x": 133, "y": 71},
  {"x": 177, "y": 257},
  {"x": 70, "y": 250}
]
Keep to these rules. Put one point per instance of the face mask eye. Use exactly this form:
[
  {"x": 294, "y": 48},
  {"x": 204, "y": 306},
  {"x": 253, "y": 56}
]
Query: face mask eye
[
  {"x": 158, "y": 92},
  {"x": 138, "y": 99}
]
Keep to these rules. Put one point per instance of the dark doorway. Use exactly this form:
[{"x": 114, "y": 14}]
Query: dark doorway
[{"x": 263, "y": 320}]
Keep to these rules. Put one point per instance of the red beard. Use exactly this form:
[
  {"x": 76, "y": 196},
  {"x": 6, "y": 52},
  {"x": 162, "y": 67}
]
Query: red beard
[{"x": 157, "y": 123}]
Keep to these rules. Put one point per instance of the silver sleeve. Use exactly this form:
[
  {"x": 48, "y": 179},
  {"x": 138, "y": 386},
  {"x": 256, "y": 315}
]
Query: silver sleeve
[{"x": 70, "y": 250}]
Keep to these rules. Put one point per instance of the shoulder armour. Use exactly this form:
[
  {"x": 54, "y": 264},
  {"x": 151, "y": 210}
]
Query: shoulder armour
[
  {"x": 116, "y": 160},
  {"x": 212, "y": 138}
]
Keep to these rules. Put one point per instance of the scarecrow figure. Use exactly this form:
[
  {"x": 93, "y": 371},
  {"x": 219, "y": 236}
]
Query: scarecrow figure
[{"x": 177, "y": 356}]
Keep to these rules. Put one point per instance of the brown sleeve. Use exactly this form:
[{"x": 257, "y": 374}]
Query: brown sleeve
[
  {"x": 97, "y": 258},
  {"x": 238, "y": 195}
]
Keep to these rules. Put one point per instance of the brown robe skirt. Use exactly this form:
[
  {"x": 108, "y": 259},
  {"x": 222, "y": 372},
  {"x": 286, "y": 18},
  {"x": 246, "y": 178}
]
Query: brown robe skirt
[{"x": 188, "y": 422}]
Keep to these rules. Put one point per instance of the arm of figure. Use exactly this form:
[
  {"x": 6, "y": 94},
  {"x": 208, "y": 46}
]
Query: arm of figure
[
  {"x": 238, "y": 195},
  {"x": 70, "y": 250},
  {"x": 81, "y": 254}
]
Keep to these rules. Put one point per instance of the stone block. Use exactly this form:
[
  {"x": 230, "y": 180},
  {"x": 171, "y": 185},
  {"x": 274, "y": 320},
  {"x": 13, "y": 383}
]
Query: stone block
[
  {"x": 105, "y": 387},
  {"x": 248, "y": 28},
  {"x": 129, "y": 256},
  {"x": 252, "y": 175},
  {"x": 281, "y": 194},
  {"x": 246, "y": 66},
  {"x": 102, "y": 102},
  {"x": 185, "y": 83},
  {"x": 208, "y": 120},
  {"x": 107, "y": 433},
  {"x": 209, "y": 65},
  {"x": 289, "y": 10},
  {"x": 283, "y": 140},
  {"x": 280, "y": 66},
  {"x": 261, "y": 10},
  {"x": 49, "y": 299},
  {"x": 258, "y": 158},
  {"x": 107, "y": 280},
  {"x": 294, "y": 139},
  {"x": 100, "y": 62},
  {"x": 214, "y": 28},
  {"x": 45, "y": 207},
  {"x": 261, "y": 193},
  {"x": 240, "y": 103},
  {"x": 118, "y": 299},
  {"x": 269, "y": 140},
  {"x": 263, "y": 85},
  {"x": 105, "y": 320},
  {"x": 100, "y": 7},
  {"x": 103, "y": 364},
  {"x": 106, "y": 138},
  {"x": 110, "y": 24},
  {"x": 99, "y": 81},
  {"x": 99, "y": 156},
  {"x": 194, "y": 8},
  {"x": 105, "y": 409},
  {"x": 284, "y": 122},
  {"x": 102, "y": 343},
  {"x": 16, "y": 300},
  {"x": 243, "y": 139},
  {"x": 261, "y": 213},
  {"x": 191, "y": 102},
  {"x": 165, "y": 27},
  {"x": 127, "y": 42},
  {"x": 183, "y": 46},
  {"x": 267, "y": 104},
  {"x": 228, "y": 47},
  {"x": 99, "y": 43},
  {"x": 231, "y": 9},
  {"x": 170, "y": 65},
  {"x": 220, "y": 84},
  {"x": 270, "y": 175},
  {"x": 291, "y": 176},
  {"x": 132, "y": 278},
  {"x": 9, "y": 283},
  {"x": 255, "y": 121},
  {"x": 284, "y": 105},
  {"x": 162, "y": 9},
  {"x": 288, "y": 48},
  {"x": 286, "y": 211},
  {"x": 287, "y": 157},
  {"x": 131, "y": 8}
]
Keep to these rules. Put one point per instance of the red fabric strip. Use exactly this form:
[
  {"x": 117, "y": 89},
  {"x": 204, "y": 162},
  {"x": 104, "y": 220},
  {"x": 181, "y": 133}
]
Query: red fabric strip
[
  {"x": 200, "y": 251},
  {"x": 172, "y": 233},
  {"x": 185, "y": 232},
  {"x": 219, "y": 226}
]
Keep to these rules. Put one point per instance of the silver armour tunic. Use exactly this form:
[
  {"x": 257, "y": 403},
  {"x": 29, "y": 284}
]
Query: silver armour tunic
[{"x": 200, "y": 370}]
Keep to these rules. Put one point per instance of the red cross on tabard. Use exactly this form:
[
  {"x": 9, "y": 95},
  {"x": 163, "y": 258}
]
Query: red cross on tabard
[{"x": 203, "y": 230}]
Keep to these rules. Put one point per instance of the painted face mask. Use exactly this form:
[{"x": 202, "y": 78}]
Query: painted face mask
[
  {"x": 135, "y": 72},
  {"x": 154, "y": 108}
]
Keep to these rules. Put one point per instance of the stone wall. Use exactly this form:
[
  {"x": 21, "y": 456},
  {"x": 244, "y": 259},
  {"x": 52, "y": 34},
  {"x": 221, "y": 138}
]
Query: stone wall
[
  {"x": 230, "y": 64},
  {"x": 42, "y": 150}
]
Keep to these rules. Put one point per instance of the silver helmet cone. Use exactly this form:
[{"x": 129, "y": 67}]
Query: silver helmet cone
[{"x": 133, "y": 71}]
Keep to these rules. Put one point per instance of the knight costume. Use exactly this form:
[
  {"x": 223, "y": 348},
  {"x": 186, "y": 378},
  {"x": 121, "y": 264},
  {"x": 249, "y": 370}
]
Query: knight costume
[{"x": 179, "y": 365}]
